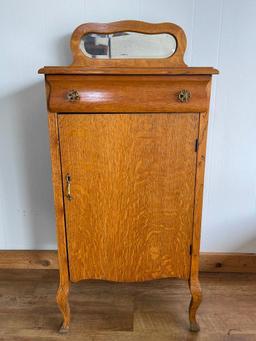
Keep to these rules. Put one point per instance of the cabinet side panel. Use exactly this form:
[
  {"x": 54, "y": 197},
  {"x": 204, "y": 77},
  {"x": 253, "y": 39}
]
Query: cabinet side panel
[
  {"x": 199, "y": 187},
  {"x": 58, "y": 197}
]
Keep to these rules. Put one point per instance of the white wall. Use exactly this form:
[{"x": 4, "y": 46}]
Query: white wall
[{"x": 221, "y": 33}]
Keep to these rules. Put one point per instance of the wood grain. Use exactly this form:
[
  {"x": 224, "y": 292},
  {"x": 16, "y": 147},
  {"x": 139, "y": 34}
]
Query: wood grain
[
  {"x": 199, "y": 187},
  {"x": 194, "y": 284},
  {"x": 63, "y": 290},
  {"x": 120, "y": 94},
  {"x": 104, "y": 311},
  {"x": 131, "y": 216}
]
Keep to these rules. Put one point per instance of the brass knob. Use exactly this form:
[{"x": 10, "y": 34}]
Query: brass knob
[
  {"x": 73, "y": 96},
  {"x": 184, "y": 96}
]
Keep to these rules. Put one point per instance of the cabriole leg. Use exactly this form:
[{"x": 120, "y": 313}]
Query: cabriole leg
[
  {"x": 196, "y": 298},
  {"x": 63, "y": 290},
  {"x": 62, "y": 300}
]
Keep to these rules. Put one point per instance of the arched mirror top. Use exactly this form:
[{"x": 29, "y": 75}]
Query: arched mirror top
[{"x": 128, "y": 44}]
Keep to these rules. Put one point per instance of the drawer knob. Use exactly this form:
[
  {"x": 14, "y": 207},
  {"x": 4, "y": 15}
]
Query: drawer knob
[
  {"x": 73, "y": 96},
  {"x": 184, "y": 96}
]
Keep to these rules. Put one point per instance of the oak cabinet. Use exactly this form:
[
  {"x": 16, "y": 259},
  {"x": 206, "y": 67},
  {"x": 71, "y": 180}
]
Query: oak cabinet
[
  {"x": 131, "y": 214},
  {"x": 127, "y": 140}
]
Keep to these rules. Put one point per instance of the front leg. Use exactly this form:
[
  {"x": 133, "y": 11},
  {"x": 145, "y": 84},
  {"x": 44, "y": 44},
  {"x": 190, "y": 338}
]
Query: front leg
[
  {"x": 196, "y": 298},
  {"x": 63, "y": 290},
  {"x": 62, "y": 300}
]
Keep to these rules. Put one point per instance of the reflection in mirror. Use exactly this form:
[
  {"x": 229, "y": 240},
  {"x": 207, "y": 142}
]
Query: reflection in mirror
[{"x": 128, "y": 45}]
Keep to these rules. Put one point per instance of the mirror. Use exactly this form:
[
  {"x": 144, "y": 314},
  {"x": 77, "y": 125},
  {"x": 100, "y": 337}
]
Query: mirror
[{"x": 127, "y": 45}]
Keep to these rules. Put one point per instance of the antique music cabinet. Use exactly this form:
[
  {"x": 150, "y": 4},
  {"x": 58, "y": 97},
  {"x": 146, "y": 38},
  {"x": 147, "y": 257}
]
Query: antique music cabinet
[{"x": 128, "y": 126}]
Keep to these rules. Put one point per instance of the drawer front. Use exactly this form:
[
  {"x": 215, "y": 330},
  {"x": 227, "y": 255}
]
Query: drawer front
[{"x": 128, "y": 93}]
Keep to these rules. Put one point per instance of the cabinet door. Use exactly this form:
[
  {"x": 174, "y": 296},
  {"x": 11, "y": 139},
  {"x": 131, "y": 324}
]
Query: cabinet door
[{"x": 132, "y": 187}]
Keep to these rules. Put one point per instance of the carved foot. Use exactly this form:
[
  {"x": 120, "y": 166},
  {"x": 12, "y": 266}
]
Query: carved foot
[
  {"x": 196, "y": 299},
  {"x": 194, "y": 326},
  {"x": 63, "y": 329},
  {"x": 62, "y": 300}
]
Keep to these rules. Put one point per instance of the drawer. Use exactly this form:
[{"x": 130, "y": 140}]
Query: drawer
[{"x": 115, "y": 93}]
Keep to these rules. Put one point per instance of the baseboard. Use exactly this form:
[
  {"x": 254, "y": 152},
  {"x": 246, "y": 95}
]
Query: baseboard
[
  {"x": 228, "y": 262},
  {"x": 209, "y": 262},
  {"x": 28, "y": 259}
]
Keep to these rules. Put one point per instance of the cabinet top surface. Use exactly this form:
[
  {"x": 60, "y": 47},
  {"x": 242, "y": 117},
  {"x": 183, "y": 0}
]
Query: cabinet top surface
[
  {"x": 128, "y": 47},
  {"x": 76, "y": 70}
]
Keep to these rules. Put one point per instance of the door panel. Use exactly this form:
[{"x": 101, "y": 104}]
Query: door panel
[{"x": 132, "y": 183}]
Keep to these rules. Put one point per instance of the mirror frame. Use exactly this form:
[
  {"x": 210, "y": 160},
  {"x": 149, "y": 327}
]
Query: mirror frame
[{"x": 175, "y": 60}]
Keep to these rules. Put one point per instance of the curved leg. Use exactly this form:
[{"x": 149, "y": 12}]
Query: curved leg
[
  {"x": 62, "y": 300},
  {"x": 196, "y": 293},
  {"x": 63, "y": 290}
]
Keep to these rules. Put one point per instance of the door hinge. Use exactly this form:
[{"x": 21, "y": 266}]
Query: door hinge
[
  {"x": 190, "y": 249},
  {"x": 196, "y": 145}
]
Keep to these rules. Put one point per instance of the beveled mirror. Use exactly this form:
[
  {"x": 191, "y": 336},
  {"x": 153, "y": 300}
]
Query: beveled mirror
[{"x": 128, "y": 45}]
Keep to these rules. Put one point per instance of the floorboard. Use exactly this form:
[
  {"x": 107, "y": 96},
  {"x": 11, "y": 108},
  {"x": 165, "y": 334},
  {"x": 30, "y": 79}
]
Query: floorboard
[{"x": 104, "y": 311}]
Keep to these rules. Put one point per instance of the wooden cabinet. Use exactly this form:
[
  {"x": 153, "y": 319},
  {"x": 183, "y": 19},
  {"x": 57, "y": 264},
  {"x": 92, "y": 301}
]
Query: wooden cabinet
[
  {"x": 127, "y": 139},
  {"x": 131, "y": 215}
]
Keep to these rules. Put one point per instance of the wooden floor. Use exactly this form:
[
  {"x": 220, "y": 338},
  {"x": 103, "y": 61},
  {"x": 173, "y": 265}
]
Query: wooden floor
[{"x": 151, "y": 311}]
